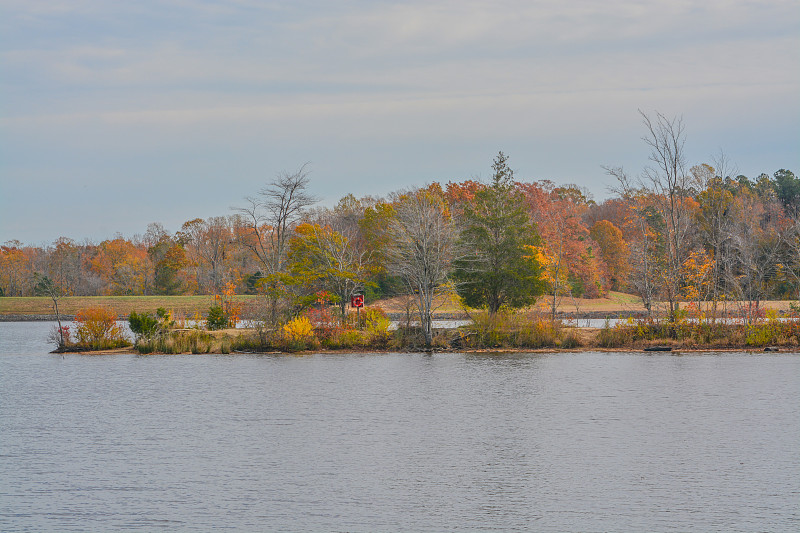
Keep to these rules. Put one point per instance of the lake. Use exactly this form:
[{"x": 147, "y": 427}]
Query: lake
[{"x": 396, "y": 442}]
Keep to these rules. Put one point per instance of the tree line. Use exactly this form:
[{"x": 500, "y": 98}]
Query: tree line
[{"x": 673, "y": 233}]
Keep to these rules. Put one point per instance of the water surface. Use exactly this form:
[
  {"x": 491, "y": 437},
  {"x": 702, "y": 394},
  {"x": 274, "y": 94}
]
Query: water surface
[{"x": 397, "y": 442}]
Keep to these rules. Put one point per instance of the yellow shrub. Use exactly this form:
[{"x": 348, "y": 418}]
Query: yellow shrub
[
  {"x": 298, "y": 328},
  {"x": 375, "y": 321}
]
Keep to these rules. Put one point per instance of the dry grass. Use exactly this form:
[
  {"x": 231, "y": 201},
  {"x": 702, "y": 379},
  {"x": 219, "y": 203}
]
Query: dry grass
[
  {"x": 616, "y": 303},
  {"x": 122, "y": 305}
]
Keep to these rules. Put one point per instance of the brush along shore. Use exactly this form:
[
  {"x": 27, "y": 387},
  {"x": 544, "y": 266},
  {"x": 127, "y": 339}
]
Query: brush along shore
[{"x": 774, "y": 335}]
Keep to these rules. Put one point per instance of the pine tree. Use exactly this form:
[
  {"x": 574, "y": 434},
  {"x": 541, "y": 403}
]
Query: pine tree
[{"x": 500, "y": 268}]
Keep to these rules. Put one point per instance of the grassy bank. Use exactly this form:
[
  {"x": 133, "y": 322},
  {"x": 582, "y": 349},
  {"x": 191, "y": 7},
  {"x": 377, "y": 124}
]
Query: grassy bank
[
  {"x": 122, "y": 305},
  {"x": 617, "y": 304},
  {"x": 509, "y": 332}
]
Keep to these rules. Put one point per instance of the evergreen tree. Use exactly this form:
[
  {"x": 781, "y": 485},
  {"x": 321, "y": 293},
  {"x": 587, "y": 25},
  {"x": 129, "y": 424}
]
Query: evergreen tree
[{"x": 499, "y": 268}]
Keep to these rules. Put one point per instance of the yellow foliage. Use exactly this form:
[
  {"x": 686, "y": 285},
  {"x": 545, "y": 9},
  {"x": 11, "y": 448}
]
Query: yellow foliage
[
  {"x": 697, "y": 270},
  {"x": 298, "y": 328},
  {"x": 376, "y": 321},
  {"x": 553, "y": 269}
]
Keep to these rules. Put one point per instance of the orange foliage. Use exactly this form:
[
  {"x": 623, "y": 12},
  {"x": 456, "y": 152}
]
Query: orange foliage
[
  {"x": 124, "y": 267},
  {"x": 567, "y": 248},
  {"x": 16, "y": 268},
  {"x": 97, "y": 327},
  {"x": 613, "y": 250}
]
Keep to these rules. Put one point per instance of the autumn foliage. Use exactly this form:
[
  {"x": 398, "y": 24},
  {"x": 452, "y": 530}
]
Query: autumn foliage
[
  {"x": 718, "y": 238},
  {"x": 96, "y": 328}
]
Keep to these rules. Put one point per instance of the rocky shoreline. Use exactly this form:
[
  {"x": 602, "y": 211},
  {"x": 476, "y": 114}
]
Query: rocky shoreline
[{"x": 35, "y": 318}]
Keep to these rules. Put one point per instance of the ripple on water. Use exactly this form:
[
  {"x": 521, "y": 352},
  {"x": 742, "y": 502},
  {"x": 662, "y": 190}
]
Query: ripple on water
[{"x": 574, "y": 442}]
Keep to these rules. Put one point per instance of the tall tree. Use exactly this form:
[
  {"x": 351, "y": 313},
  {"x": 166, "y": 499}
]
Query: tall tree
[
  {"x": 122, "y": 265},
  {"x": 667, "y": 184},
  {"x": 270, "y": 219},
  {"x": 64, "y": 265},
  {"x": 499, "y": 267},
  {"x": 791, "y": 265},
  {"x": 45, "y": 286},
  {"x": 787, "y": 189},
  {"x": 16, "y": 268},
  {"x": 421, "y": 249},
  {"x": 613, "y": 250},
  {"x": 322, "y": 259},
  {"x": 208, "y": 244},
  {"x": 758, "y": 246},
  {"x": 566, "y": 254},
  {"x": 714, "y": 224}
]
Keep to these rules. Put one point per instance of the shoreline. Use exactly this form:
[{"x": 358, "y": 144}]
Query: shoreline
[{"x": 482, "y": 351}]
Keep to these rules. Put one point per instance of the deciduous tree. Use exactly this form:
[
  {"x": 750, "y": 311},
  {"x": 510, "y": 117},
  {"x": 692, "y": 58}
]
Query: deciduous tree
[
  {"x": 270, "y": 219},
  {"x": 614, "y": 251},
  {"x": 667, "y": 184},
  {"x": 322, "y": 259},
  {"x": 122, "y": 265},
  {"x": 421, "y": 249}
]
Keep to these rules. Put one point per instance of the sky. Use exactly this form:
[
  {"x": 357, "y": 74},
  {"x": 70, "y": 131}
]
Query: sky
[{"x": 116, "y": 114}]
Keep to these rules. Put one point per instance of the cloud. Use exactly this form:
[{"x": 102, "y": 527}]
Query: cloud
[{"x": 408, "y": 91}]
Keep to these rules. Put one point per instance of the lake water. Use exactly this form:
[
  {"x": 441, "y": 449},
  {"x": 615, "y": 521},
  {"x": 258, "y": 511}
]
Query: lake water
[{"x": 396, "y": 442}]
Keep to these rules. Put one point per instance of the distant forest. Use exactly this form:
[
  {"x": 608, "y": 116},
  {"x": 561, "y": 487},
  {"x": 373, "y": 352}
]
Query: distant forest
[{"x": 671, "y": 233}]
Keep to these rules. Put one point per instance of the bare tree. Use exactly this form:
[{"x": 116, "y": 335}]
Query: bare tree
[
  {"x": 643, "y": 257},
  {"x": 422, "y": 250},
  {"x": 643, "y": 263},
  {"x": 208, "y": 243},
  {"x": 667, "y": 184},
  {"x": 270, "y": 218},
  {"x": 45, "y": 286}
]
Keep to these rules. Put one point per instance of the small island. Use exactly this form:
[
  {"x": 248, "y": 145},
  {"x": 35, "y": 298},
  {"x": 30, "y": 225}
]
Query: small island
[{"x": 679, "y": 260}]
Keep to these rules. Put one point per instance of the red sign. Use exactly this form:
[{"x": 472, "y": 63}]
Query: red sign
[{"x": 357, "y": 300}]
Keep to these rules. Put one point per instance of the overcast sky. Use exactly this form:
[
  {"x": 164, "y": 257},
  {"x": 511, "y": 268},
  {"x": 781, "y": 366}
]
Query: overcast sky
[{"x": 115, "y": 114}]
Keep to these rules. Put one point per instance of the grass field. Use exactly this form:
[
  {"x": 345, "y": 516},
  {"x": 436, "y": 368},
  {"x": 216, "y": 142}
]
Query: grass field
[
  {"x": 616, "y": 303},
  {"x": 122, "y": 305}
]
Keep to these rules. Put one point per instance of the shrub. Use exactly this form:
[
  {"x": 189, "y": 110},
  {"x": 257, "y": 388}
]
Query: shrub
[
  {"x": 571, "y": 340},
  {"x": 225, "y": 345},
  {"x": 376, "y": 322},
  {"x": 615, "y": 336},
  {"x": 61, "y": 337},
  {"x": 347, "y": 338},
  {"x": 216, "y": 318},
  {"x": 97, "y": 329},
  {"x": 298, "y": 328},
  {"x": 177, "y": 342},
  {"x": 537, "y": 333},
  {"x": 511, "y": 329},
  {"x": 251, "y": 343},
  {"x": 324, "y": 323},
  {"x": 142, "y": 325},
  {"x": 298, "y": 335}
]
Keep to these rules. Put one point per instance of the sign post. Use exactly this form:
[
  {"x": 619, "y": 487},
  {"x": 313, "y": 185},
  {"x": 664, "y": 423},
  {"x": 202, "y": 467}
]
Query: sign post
[{"x": 357, "y": 301}]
